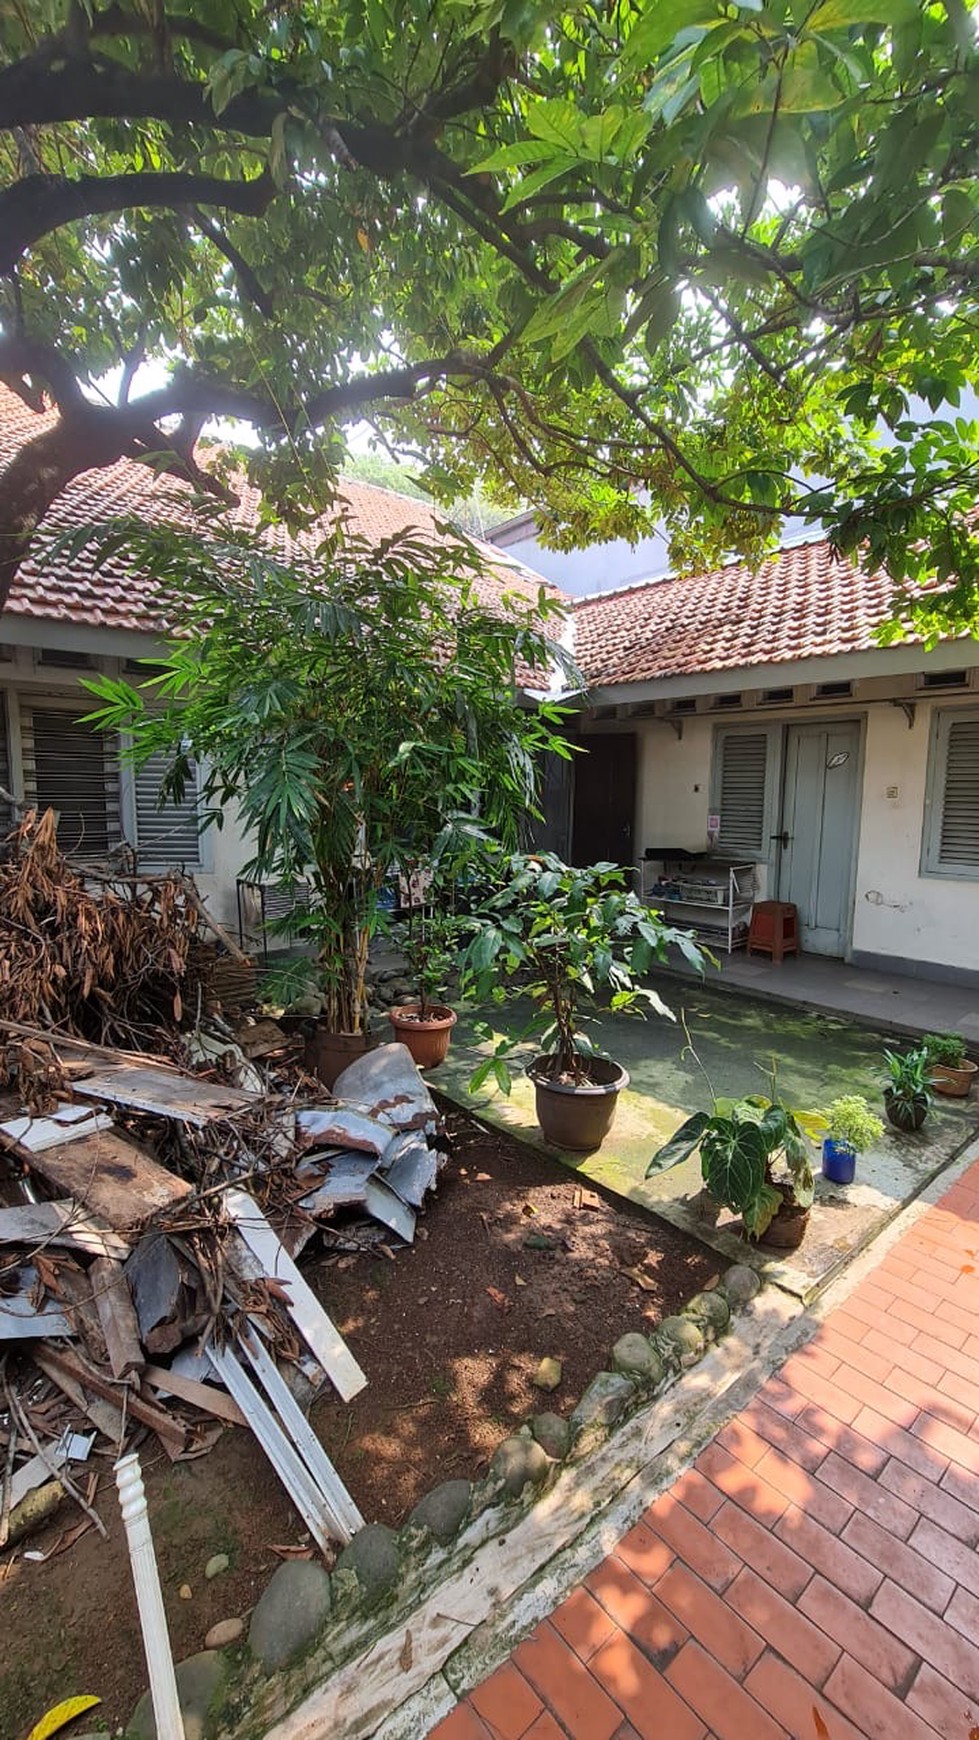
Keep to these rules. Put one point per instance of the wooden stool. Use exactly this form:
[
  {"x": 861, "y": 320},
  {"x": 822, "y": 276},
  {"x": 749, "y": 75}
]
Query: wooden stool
[{"x": 774, "y": 929}]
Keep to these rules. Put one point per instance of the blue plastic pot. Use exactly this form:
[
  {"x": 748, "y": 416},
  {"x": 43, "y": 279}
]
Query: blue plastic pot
[{"x": 839, "y": 1161}]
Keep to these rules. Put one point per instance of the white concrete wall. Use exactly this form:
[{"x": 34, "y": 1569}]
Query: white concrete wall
[{"x": 897, "y": 912}]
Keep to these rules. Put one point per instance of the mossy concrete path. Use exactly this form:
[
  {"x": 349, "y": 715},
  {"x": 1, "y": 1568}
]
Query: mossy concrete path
[{"x": 817, "y": 1059}]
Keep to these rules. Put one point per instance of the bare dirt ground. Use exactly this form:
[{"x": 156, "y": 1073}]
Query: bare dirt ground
[{"x": 520, "y": 1260}]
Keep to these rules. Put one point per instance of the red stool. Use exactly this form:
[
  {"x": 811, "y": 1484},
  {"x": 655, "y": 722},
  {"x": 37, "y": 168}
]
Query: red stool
[{"x": 774, "y": 929}]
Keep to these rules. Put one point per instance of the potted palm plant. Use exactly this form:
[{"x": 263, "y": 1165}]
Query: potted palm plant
[
  {"x": 428, "y": 941},
  {"x": 357, "y": 708},
  {"x": 574, "y": 941},
  {"x": 756, "y": 1160},
  {"x": 907, "y": 1095},
  {"x": 852, "y": 1128},
  {"x": 951, "y": 1072}
]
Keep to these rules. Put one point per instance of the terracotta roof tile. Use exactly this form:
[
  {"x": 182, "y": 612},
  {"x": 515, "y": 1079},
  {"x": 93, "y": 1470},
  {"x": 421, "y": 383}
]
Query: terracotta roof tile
[
  {"x": 805, "y": 602},
  {"x": 117, "y": 596}
]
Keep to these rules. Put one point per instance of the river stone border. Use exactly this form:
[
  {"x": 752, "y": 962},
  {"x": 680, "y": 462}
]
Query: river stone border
[{"x": 383, "y": 1576}]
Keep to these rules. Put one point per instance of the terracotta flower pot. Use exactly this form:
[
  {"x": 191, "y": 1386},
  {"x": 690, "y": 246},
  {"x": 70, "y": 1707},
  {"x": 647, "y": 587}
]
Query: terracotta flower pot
[
  {"x": 428, "y": 1040},
  {"x": 327, "y": 1054},
  {"x": 787, "y": 1231},
  {"x": 577, "y": 1116},
  {"x": 955, "y": 1082}
]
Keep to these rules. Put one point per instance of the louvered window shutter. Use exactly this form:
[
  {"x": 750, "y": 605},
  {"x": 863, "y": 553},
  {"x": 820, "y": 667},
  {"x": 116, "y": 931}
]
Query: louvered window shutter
[
  {"x": 955, "y": 832},
  {"x": 72, "y": 768},
  {"x": 741, "y": 789},
  {"x": 167, "y": 838}
]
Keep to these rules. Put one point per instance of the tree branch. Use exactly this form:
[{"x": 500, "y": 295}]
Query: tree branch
[
  {"x": 38, "y": 204},
  {"x": 36, "y": 91}
]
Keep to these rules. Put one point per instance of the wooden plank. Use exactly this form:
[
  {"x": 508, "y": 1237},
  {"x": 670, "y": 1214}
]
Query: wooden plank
[
  {"x": 308, "y": 1315},
  {"x": 286, "y": 1461},
  {"x": 74, "y": 1292},
  {"x": 111, "y": 1175},
  {"x": 114, "y": 1304},
  {"x": 66, "y": 1124},
  {"x": 184, "y": 1097},
  {"x": 169, "y": 1431},
  {"x": 203, "y": 1396},
  {"x": 59, "y": 1223},
  {"x": 346, "y": 1518},
  {"x": 102, "y": 1414}
]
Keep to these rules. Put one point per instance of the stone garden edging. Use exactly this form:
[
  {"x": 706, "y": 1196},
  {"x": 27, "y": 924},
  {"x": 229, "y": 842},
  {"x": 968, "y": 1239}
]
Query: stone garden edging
[{"x": 345, "y": 1654}]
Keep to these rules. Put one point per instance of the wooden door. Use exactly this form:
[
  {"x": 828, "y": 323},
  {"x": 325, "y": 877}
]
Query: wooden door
[
  {"x": 604, "y": 800},
  {"x": 818, "y": 829}
]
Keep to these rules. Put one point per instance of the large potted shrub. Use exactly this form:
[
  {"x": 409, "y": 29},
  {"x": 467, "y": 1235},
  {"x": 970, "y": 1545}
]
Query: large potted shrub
[
  {"x": 574, "y": 941},
  {"x": 951, "y": 1072},
  {"x": 756, "y": 1160},
  {"x": 357, "y": 707}
]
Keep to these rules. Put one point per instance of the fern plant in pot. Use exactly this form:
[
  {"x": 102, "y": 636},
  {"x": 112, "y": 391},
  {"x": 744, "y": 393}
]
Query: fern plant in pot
[
  {"x": 756, "y": 1160},
  {"x": 575, "y": 942}
]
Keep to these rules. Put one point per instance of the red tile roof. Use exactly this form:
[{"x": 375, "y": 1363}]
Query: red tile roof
[
  {"x": 119, "y": 596},
  {"x": 803, "y": 603}
]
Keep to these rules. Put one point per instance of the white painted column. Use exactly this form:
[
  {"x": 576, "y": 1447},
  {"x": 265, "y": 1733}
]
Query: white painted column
[{"x": 149, "y": 1599}]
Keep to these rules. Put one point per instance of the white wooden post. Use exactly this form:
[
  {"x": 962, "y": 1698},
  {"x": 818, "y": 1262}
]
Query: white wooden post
[{"x": 149, "y": 1599}]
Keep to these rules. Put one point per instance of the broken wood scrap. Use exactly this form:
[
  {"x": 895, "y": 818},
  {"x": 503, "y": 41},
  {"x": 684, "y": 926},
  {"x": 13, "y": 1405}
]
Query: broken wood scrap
[
  {"x": 113, "y": 1302},
  {"x": 62, "y": 1224},
  {"x": 73, "y": 1287},
  {"x": 104, "y": 1416},
  {"x": 166, "y": 1094},
  {"x": 112, "y": 1176},
  {"x": 172, "y": 1435},
  {"x": 203, "y": 1396}
]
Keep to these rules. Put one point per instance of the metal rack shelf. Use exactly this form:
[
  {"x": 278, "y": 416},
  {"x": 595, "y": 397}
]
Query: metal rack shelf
[{"x": 712, "y": 897}]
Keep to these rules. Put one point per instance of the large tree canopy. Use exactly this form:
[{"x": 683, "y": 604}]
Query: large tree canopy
[{"x": 629, "y": 260}]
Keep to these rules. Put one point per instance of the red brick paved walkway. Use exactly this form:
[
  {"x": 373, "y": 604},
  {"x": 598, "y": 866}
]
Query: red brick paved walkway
[{"x": 816, "y": 1573}]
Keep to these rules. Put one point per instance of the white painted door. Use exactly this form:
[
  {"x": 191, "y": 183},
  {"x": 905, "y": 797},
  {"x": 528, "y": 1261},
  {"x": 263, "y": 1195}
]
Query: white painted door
[{"x": 819, "y": 812}]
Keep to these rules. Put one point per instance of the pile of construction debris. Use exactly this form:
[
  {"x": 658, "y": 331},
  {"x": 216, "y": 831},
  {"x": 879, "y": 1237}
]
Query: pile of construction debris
[{"x": 150, "y": 1218}]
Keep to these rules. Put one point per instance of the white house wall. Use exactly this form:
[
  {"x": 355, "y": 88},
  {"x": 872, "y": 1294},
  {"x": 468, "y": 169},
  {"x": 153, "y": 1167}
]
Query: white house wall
[
  {"x": 224, "y": 851},
  {"x": 899, "y": 915}
]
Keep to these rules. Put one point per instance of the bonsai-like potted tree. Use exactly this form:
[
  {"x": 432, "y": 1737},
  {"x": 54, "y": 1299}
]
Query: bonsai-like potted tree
[
  {"x": 756, "y": 1160},
  {"x": 852, "y": 1127},
  {"x": 357, "y": 707},
  {"x": 428, "y": 939},
  {"x": 907, "y": 1095},
  {"x": 951, "y": 1071},
  {"x": 574, "y": 941}
]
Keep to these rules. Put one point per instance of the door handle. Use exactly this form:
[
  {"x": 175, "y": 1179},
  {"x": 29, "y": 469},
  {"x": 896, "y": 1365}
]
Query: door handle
[{"x": 783, "y": 838}]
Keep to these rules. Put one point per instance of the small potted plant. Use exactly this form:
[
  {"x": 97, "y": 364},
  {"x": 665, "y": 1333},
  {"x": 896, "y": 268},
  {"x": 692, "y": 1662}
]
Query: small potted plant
[
  {"x": 907, "y": 1095},
  {"x": 428, "y": 942},
  {"x": 853, "y": 1127},
  {"x": 574, "y": 941},
  {"x": 951, "y": 1071},
  {"x": 756, "y": 1160}
]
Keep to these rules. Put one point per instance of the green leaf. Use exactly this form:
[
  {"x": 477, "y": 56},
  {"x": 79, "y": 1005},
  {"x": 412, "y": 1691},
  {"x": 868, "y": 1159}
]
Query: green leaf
[
  {"x": 680, "y": 1145},
  {"x": 758, "y": 1213},
  {"x": 733, "y": 1156},
  {"x": 841, "y": 14},
  {"x": 559, "y": 122}
]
